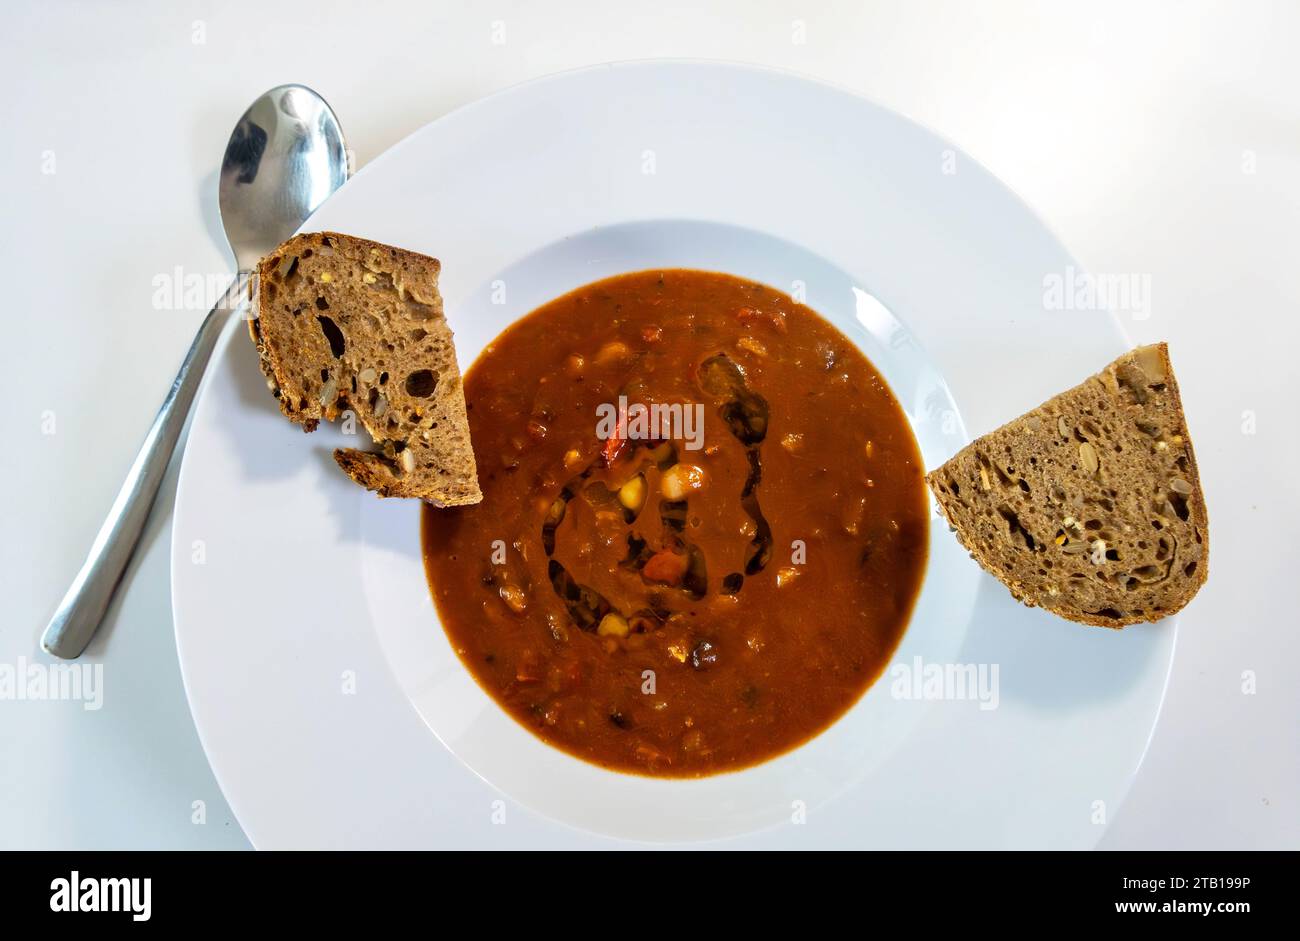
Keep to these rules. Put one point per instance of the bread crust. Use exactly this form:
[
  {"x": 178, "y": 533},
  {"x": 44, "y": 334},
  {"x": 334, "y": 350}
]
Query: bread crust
[{"x": 1010, "y": 496}]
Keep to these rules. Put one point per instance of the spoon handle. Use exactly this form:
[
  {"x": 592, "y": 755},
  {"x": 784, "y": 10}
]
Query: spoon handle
[{"x": 82, "y": 608}]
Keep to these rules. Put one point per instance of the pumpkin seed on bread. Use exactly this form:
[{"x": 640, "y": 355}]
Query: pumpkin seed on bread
[
  {"x": 1089, "y": 506},
  {"x": 343, "y": 323}
]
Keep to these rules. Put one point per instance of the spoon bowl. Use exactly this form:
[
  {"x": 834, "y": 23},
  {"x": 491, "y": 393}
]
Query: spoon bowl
[{"x": 285, "y": 157}]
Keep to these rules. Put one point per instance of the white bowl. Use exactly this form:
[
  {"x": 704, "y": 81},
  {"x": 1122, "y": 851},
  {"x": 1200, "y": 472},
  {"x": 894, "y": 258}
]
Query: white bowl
[{"x": 328, "y": 698}]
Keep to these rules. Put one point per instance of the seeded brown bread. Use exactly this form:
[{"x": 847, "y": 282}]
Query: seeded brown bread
[
  {"x": 1089, "y": 506},
  {"x": 344, "y": 323}
]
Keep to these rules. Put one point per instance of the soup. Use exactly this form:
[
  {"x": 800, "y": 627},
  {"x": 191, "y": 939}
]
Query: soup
[{"x": 703, "y": 527}]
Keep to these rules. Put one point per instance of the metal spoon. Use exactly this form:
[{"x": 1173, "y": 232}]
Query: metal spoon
[{"x": 285, "y": 157}]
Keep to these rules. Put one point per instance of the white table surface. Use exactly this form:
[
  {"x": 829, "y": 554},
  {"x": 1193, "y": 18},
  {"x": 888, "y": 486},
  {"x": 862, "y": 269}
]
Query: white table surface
[{"x": 1155, "y": 139}]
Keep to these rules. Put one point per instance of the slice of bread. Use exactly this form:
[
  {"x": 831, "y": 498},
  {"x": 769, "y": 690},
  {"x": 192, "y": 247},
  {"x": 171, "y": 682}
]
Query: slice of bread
[
  {"x": 343, "y": 323},
  {"x": 1089, "y": 506}
]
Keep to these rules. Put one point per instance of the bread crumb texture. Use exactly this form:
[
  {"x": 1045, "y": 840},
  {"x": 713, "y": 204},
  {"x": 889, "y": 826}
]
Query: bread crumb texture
[
  {"x": 1090, "y": 506},
  {"x": 345, "y": 324}
]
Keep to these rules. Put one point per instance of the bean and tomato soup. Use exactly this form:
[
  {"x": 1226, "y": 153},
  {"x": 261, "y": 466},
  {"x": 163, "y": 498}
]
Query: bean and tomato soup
[{"x": 714, "y": 574}]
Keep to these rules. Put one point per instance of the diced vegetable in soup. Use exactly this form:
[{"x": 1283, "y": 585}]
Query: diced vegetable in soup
[{"x": 703, "y": 524}]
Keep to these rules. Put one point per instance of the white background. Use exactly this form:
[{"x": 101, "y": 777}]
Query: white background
[{"x": 1155, "y": 139}]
